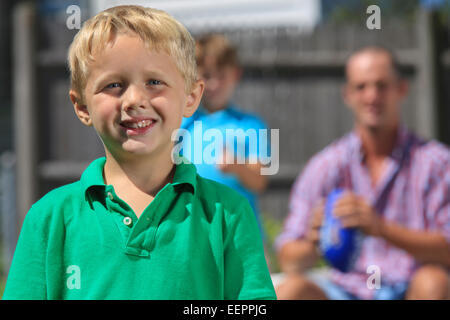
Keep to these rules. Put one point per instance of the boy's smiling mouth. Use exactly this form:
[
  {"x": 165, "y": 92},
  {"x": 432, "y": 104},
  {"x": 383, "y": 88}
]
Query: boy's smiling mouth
[{"x": 137, "y": 126}]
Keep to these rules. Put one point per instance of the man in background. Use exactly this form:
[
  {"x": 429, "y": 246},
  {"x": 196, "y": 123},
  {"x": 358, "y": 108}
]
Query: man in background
[{"x": 397, "y": 194}]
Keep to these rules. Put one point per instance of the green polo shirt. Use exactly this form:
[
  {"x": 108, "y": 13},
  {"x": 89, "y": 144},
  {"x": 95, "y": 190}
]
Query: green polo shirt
[{"x": 197, "y": 239}]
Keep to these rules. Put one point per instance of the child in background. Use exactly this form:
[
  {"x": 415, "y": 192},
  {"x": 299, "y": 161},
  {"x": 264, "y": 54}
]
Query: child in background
[
  {"x": 219, "y": 67},
  {"x": 137, "y": 226}
]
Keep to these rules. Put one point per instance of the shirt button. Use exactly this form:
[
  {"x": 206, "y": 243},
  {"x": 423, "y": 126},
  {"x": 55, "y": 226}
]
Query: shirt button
[
  {"x": 127, "y": 221},
  {"x": 110, "y": 196}
]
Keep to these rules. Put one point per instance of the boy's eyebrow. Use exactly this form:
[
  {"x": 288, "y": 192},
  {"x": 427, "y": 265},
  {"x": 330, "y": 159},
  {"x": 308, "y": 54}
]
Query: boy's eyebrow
[
  {"x": 154, "y": 73},
  {"x": 104, "y": 77}
]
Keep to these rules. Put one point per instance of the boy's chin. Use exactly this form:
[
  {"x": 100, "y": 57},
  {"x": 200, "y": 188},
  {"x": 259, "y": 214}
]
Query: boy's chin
[{"x": 138, "y": 149}]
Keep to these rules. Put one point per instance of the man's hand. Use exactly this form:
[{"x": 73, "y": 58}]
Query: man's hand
[
  {"x": 353, "y": 211},
  {"x": 300, "y": 255}
]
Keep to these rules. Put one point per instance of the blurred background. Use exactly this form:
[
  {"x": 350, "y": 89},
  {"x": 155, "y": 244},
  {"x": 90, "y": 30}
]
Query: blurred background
[{"x": 292, "y": 52}]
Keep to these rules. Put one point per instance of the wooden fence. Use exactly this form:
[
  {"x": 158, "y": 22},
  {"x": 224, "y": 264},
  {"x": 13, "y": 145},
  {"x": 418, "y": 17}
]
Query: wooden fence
[{"x": 291, "y": 78}]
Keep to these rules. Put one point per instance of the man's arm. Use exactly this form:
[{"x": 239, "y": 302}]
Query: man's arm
[
  {"x": 425, "y": 246},
  {"x": 300, "y": 255},
  {"x": 297, "y": 256}
]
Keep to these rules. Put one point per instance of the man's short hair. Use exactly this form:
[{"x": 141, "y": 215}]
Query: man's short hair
[
  {"x": 377, "y": 49},
  {"x": 158, "y": 30}
]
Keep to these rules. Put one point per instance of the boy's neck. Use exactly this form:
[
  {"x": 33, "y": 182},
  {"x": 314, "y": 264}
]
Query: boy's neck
[{"x": 148, "y": 174}]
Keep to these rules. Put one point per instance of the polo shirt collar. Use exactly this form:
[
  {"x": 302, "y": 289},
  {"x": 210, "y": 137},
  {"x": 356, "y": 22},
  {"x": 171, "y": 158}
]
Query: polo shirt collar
[
  {"x": 185, "y": 173},
  {"x": 93, "y": 175}
]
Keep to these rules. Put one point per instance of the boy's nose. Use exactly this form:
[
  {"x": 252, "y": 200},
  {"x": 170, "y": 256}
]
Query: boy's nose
[{"x": 134, "y": 98}]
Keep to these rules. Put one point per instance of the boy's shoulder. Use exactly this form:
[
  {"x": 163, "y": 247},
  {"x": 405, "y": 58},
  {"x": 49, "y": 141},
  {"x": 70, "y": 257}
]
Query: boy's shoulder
[
  {"x": 216, "y": 201},
  {"x": 61, "y": 196},
  {"x": 217, "y": 193},
  {"x": 58, "y": 204}
]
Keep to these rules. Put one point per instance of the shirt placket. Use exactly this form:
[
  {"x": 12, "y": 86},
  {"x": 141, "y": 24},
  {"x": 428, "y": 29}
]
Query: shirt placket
[
  {"x": 362, "y": 183},
  {"x": 121, "y": 213},
  {"x": 142, "y": 237},
  {"x": 374, "y": 196}
]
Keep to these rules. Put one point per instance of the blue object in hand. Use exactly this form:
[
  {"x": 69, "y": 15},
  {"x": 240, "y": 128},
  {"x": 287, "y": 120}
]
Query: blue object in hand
[{"x": 340, "y": 246}]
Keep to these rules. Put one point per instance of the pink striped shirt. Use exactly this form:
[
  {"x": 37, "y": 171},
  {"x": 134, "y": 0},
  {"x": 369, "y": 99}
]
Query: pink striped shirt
[{"x": 414, "y": 191}]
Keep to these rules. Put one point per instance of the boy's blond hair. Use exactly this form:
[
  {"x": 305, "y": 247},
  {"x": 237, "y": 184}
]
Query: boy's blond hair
[{"x": 157, "y": 29}]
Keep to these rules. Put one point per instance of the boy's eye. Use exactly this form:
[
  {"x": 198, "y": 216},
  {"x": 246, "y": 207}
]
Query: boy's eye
[
  {"x": 154, "y": 82},
  {"x": 113, "y": 85}
]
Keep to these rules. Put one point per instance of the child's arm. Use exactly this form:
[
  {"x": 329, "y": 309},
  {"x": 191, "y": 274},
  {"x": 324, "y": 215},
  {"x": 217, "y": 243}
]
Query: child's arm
[
  {"x": 246, "y": 273},
  {"x": 249, "y": 175},
  {"x": 27, "y": 274}
]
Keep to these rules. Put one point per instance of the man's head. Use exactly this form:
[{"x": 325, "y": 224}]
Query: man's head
[
  {"x": 374, "y": 88},
  {"x": 158, "y": 30},
  {"x": 219, "y": 67},
  {"x": 134, "y": 78}
]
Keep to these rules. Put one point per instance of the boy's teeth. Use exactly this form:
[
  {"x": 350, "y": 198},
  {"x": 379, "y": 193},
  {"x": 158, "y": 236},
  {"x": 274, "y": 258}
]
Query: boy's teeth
[
  {"x": 144, "y": 123},
  {"x": 140, "y": 124}
]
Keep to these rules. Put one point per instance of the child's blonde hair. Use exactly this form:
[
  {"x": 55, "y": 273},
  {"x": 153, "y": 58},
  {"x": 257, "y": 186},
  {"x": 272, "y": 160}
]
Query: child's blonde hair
[
  {"x": 215, "y": 49},
  {"x": 157, "y": 29}
]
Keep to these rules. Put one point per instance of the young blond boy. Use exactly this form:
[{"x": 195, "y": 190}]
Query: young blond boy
[{"x": 136, "y": 226}]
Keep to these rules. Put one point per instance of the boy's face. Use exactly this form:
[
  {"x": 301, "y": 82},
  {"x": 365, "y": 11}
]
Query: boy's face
[
  {"x": 135, "y": 98},
  {"x": 219, "y": 85}
]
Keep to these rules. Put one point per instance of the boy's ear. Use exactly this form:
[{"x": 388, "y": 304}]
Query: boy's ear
[
  {"x": 194, "y": 98},
  {"x": 81, "y": 110}
]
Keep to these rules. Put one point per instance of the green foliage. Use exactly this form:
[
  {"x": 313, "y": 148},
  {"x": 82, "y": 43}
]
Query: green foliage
[
  {"x": 2, "y": 275},
  {"x": 443, "y": 14},
  {"x": 272, "y": 228}
]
